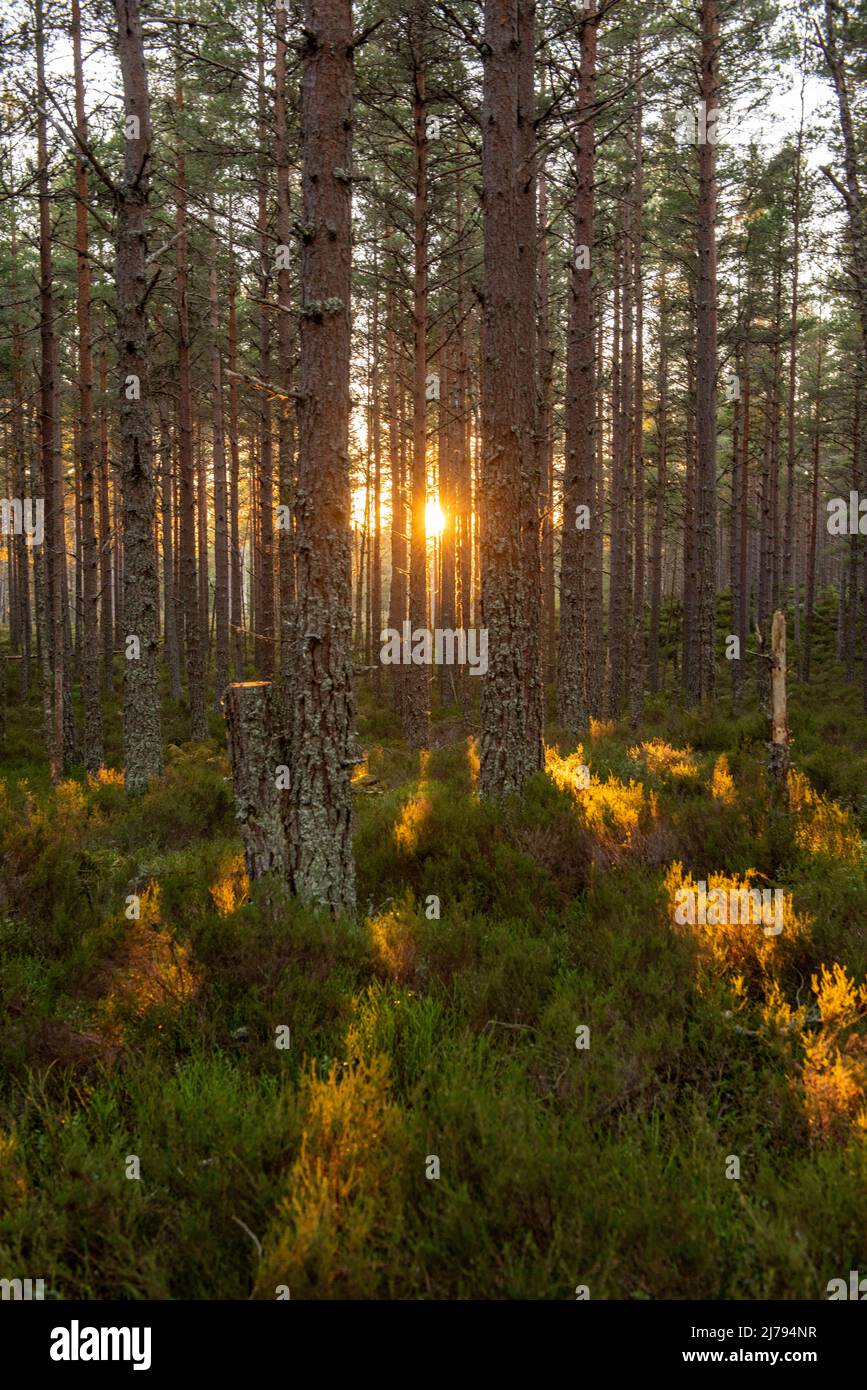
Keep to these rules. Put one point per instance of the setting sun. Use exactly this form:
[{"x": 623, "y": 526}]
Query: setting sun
[{"x": 434, "y": 517}]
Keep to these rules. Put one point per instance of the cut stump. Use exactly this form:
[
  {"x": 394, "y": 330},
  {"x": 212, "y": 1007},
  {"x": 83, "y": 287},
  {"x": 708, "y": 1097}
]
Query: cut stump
[{"x": 257, "y": 755}]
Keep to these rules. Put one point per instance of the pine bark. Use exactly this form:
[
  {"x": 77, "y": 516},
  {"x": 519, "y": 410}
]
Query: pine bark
[
  {"x": 192, "y": 618},
  {"x": 700, "y": 675},
  {"x": 221, "y": 532},
  {"x": 661, "y": 485},
  {"x": 264, "y": 638},
  {"x": 286, "y": 406},
  {"x": 90, "y": 681},
  {"x": 141, "y": 706},
  {"x": 511, "y": 735},
  {"x": 578, "y": 669},
  {"x": 322, "y": 739},
  {"x": 416, "y": 678},
  {"x": 256, "y": 743}
]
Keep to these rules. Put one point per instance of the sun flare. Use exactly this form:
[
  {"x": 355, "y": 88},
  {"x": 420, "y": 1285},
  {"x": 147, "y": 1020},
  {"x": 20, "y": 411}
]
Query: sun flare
[{"x": 434, "y": 517}]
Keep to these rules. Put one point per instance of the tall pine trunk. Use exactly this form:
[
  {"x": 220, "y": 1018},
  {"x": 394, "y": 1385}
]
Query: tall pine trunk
[
  {"x": 700, "y": 674},
  {"x": 579, "y": 676},
  {"x": 511, "y": 737},
  {"x": 90, "y": 683},
  {"x": 322, "y": 737},
  {"x": 141, "y": 695}
]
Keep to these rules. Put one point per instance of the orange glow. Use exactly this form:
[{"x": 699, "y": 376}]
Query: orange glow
[
  {"x": 434, "y": 517},
  {"x": 232, "y": 886},
  {"x": 414, "y": 814}
]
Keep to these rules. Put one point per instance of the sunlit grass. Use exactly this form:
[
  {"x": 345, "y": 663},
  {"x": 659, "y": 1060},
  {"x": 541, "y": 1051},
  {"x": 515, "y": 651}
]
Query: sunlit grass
[
  {"x": 473, "y": 762},
  {"x": 569, "y": 773},
  {"x": 821, "y": 826},
  {"x": 741, "y": 947},
  {"x": 330, "y": 1222},
  {"x": 105, "y": 777},
  {"x": 835, "y": 1057},
  {"x": 231, "y": 889},
  {"x": 415, "y": 812},
  {"x": 659, "y": 757},
  {"x": 394, "y": 940},
  {"x": 150, "y": 968},
  {"x": 612, "y": 810},
  {"x": 722, "y": 783},
  {"x": 601, "y": 728}
]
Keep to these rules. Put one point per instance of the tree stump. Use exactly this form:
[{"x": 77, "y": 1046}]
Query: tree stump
[{"x": 257, "y": 755}]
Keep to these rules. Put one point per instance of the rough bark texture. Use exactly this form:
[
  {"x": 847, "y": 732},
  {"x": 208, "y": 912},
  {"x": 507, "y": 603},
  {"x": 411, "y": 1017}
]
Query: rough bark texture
[
  {"x": 545, "y": 357},
  {"x": 661, "y": 481},
  {"x": 285, "y": 332},
  {"x": 700, "y": 673},
  {"x": 257, "y": 752},
  {"x": 54, "y": 544},
  {"x": 221, "y": 532},
  {"x": 235, "y": 584},
  {"x": 416, "y": 679},
  {"x": 322, "y": 739},
  {"x": 636, "y": 406},
  {"x": 853, "y": 196},
  {"x": 90, "y": 681},
  {"x": 265, "y": 594},
  {"x": 170, "y": 601},
  {"x": 398, "y": 590},
  {"x": 511, "y": 738},
  {"x": 810, "y": 595},
  {"x": 107, "y": 538},
  {"x": 376, "y": 556},
  {"x": 192, "y": 618},
  {"x": 578, "y": 672},
  {"x": 141, "y": 706}
]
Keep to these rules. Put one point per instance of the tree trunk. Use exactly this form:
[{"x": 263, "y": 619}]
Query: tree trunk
[
  {"x": 398, "y": 591},
  {"x": 636, "y": 405},
  {"x": 512, "y": 707},
  {"x": 255, "y": 736},
  {"x": 661, "y": 481},
  {"x": 417, "y": 677},
  {"x": 810, "y": 595},
  {"x": 192, "y": 619},
  {"x": 141, "y": 703},
  {"x": 221, "y": 535},
  {"x": 779, "y": 745},
  {"x": 578, "y": 662},
  {"x": 170, "y": 601},
  {"x": 90, "y": 682},
  {"x": 107, "y": 538},
  {"x": 285, "y": 330},
  {"x": 54, "y": 545},
  {"x": 700, "y": 677},
  {"x": 235, "y": 577},
  {"x": 265, "y": 606},
  {"x": 322, "y": 742}
]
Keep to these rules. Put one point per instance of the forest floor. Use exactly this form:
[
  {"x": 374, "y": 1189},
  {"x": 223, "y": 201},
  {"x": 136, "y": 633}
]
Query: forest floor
[{"x": 310, "y": 1166}]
